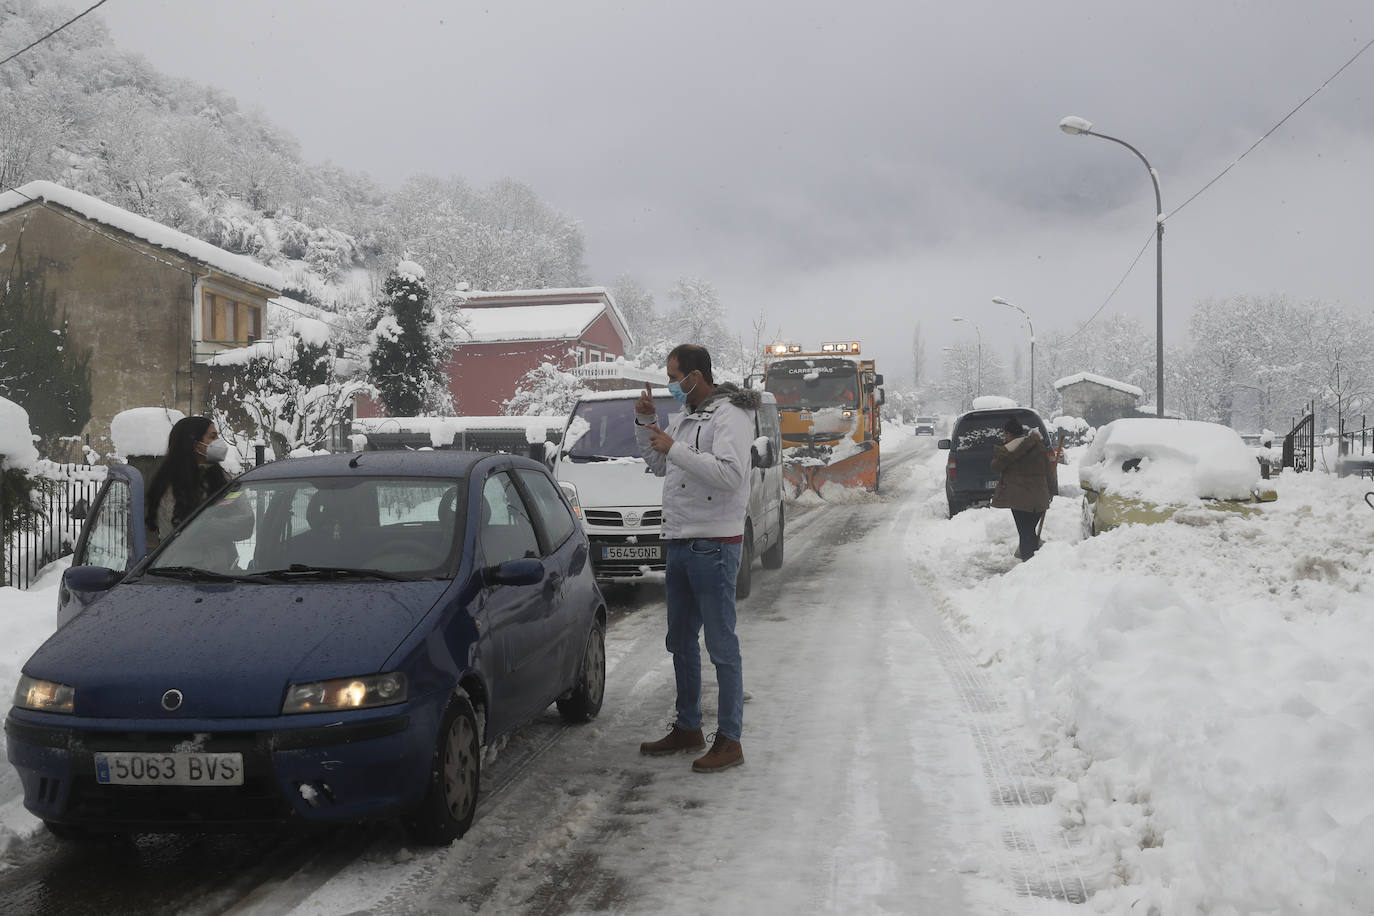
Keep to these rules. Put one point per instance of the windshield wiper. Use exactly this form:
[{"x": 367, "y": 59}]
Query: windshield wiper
[
  {"x": 193, "y": 573},
  {"x": 297, "y": 571}
]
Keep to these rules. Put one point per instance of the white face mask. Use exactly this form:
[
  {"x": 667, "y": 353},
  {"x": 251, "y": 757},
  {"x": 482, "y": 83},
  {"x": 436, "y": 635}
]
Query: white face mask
[{"x": 216, "y": 451}]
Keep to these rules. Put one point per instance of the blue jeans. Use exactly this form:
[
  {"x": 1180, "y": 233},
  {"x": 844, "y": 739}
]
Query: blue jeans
[{"x": 700, "y": 586}]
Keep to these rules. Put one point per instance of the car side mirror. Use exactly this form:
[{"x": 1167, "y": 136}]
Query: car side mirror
[
  {"x": 79, "y": 510},
  {"x": 515, "y": 572},
  {"x": 90, "y": 578},
  {"x": 761, "y": 453},
  {"x": 943, "y": 443}
]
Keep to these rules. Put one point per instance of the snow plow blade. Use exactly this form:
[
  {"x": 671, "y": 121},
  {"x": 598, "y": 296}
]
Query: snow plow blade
[{"x": 856, "y": 472}]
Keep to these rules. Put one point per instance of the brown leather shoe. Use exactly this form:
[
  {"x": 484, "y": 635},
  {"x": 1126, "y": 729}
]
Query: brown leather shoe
[
  {"x": 723, "y": 754},
  {"x": 676, "y": 741}
]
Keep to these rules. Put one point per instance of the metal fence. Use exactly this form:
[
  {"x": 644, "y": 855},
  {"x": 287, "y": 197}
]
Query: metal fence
[
  {"x": 1300, "y": 445},
  {"x": 45, "y": 526}
]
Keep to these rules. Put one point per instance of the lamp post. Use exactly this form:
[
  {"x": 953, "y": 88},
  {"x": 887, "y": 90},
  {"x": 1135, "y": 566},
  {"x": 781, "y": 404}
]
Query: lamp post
[
  {"x": 1080, "y": 126},
  {"x": 979, "y": 332},
  {"x": 1000, "y": 301}
]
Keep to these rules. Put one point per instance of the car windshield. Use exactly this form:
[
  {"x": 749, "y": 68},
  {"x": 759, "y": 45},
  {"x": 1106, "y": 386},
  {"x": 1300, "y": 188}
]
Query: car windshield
[
  {"x": 813, "y": 383},
  {"x": 606, "y": 429},
  {"x": 326, "y": 528}
]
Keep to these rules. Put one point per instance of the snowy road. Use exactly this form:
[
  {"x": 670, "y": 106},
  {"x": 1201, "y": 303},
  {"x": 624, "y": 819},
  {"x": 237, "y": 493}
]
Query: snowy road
[{"x": 882, "y": 776}]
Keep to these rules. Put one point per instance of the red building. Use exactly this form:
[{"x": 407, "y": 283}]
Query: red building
[{"x": 510, "y": 333}]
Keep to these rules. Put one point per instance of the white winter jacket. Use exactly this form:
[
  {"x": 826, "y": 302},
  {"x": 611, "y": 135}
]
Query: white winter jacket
[{"x": 706, "y": 472}]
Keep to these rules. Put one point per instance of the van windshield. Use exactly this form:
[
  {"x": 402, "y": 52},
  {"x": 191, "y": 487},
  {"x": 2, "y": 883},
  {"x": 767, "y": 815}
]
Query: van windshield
[{"x": 606, "y": 429}]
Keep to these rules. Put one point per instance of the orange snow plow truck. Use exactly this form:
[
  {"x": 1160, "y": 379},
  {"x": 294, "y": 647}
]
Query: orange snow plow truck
[{"x": 829, "y": 404}]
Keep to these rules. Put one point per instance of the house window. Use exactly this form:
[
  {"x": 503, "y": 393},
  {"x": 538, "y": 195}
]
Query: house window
[
  {"x": 229, "y": 321},
  {"x": 595, "y": 355},
  {"x": 582, "y": 356}
]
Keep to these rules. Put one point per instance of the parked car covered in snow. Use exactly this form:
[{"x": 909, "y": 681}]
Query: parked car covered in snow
[
  {"x": 329, "y": 639},
  {"x": 969, "y": 477},
  {"x": 1144, "y": 470}
]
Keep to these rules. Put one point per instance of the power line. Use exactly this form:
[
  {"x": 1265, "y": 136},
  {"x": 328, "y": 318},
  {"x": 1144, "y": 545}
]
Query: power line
[
  {"x": 1266, "y": 134},
  {"x": 53, "y": 32},
  {"x": 1198, "y": 193}
]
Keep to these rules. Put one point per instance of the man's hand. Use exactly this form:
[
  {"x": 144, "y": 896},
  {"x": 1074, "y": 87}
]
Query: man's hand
[
  {"x": 660, "y": 441},
  {"x": 645, "y": 405}
]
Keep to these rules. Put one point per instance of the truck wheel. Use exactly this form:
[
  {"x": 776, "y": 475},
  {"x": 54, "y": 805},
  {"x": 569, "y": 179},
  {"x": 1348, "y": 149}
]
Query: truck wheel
[
  {"x": 584, "y": 702},
  {"x": 455, "y": 770},
  {"x": 744, "y": 582},
  {"x": 772, "y": 557}
]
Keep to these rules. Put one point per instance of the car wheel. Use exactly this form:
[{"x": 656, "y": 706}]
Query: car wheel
[
  {"x": 455, "y": 771},
  {"x": 772, "y": 557},
  {"x": 584, "y": 702},
  {"x": 744, "y": 581}
]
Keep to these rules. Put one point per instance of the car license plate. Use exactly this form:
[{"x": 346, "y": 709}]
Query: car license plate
[
  {"x": 631, "y": 552},
  {"x": 990, "y": 485},
  {"x": 171, "y": 769}
]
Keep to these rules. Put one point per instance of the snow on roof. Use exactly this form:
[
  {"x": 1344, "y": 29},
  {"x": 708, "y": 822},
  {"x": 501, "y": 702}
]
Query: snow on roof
[
  {"x": 993, "y": 402},
  {"x": 1098, "y": 380},
  {"x": 16, "y": 442},
  {"x": 1181, "y": 460},
  {"x": 529, "y": 322},
  {"x": 151, "y": 231},
  {"x": 143, "y": 430},
  {"x": 559, "y": 296},
  {"x": 442, "y": 430}
]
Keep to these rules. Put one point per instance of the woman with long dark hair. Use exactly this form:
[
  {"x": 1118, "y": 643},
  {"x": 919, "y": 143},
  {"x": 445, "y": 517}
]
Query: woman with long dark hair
[{"x": 189, "y": 473}]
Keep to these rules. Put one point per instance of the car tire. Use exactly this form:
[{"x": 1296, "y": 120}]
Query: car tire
[
  {"x": 584, "y": 702},
  {"x": 772, "y": 557},
  {"x": 744, "y": 581},
  {"x": 455, "y": 773}
]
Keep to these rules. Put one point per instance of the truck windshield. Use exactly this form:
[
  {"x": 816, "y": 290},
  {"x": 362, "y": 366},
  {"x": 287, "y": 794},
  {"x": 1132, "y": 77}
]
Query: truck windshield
[
  {"x": 609, "y": 430},
  {"x": 813, "y": 383}
]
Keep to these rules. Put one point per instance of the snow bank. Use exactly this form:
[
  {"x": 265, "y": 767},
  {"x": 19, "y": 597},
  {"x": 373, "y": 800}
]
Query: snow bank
[
  {"x": 143, "y": 430},
  {"x": 16, "y": 441},
  {"x": 1203, "y": 697}
]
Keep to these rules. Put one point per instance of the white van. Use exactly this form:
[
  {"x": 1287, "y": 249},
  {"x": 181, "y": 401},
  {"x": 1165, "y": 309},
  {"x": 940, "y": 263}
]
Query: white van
[{"x": 620, "y": 501}]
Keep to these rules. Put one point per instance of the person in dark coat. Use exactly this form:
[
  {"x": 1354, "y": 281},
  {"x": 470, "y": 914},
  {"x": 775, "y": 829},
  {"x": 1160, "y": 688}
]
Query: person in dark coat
[{"x": 1030, "y": 478}]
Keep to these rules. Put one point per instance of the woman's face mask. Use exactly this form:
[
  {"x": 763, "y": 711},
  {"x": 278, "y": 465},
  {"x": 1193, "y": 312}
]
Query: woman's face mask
[
  {"x": 675, "y": 389},
  {"x": 216, "y": 451}
]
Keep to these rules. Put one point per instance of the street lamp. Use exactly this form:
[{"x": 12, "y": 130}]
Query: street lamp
[
  {"x": 1000, "y": 301},
  {"x": 1078, "y": 126},
  {"x": 979, "y": 332}
]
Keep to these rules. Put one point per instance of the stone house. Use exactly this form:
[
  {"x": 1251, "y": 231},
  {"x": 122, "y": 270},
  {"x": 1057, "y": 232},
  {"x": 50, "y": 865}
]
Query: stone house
[
  {"x": 1096, "y": 399},
  {"x": 152, "y": 304}
]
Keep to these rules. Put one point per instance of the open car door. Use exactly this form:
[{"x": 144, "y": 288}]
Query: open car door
[{"x": 112, "y": 542}]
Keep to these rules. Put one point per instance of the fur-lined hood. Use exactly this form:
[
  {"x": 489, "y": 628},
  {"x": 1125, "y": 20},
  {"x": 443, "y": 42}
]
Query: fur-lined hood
[{"x": 743, "y": 398}]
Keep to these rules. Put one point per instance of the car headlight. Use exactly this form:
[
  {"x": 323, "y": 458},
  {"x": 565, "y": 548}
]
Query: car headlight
[
  {"x": 346, "y": 693},
  {"x": 570, "y": 491},
  {"x": 44, "y": 696}
]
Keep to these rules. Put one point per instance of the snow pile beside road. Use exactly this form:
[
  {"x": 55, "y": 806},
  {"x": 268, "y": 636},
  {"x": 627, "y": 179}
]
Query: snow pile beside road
[{"x": 1203, "y": 693}]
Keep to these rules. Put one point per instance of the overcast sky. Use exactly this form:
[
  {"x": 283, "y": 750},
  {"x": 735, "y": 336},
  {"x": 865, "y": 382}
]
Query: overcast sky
[{"x": 854, "y": 168}]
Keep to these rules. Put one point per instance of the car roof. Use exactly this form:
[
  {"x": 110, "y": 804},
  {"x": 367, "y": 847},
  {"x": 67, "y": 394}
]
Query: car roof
[
  {"x": 391, "y": 462},
  {"x": 1000, "y": 412}
]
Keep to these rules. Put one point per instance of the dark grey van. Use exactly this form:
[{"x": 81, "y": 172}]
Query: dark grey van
[{"x": 969, "y": 478}]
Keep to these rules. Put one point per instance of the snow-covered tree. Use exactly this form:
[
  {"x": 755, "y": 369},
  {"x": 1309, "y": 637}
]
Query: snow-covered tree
[
  {"x": 408, "y": 344},
  {"x": 40, "y": 367},
  {"x": 285, "y": 391},
  {"x": 544, "y": 391}
]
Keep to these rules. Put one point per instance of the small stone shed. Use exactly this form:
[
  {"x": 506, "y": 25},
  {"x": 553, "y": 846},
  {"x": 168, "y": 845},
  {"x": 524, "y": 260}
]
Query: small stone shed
[{"x": 1097, "y": 399}]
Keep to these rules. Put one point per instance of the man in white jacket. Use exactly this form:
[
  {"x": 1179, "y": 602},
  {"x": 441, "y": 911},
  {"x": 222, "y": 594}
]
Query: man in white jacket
[{"x": 703, "y": 457}]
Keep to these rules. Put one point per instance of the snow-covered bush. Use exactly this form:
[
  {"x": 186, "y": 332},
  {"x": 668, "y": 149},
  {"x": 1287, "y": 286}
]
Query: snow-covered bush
[{"x": 544, "y": 391}]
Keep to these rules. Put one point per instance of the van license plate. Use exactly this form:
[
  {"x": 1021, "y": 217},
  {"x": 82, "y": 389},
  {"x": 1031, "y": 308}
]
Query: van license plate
[{"x": 634, "y": 552}]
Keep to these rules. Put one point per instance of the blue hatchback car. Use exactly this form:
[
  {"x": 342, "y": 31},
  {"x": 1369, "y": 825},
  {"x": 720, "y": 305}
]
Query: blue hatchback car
[{"x": 330, "y": 639}]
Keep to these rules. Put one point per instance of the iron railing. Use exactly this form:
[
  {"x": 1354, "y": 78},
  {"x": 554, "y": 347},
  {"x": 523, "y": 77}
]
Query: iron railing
[
  {"x": 45, "y": 527},
  {"x": 1300, "y": 445}
]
